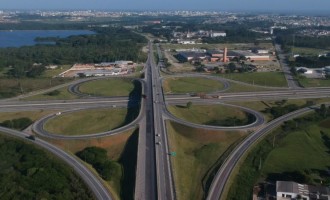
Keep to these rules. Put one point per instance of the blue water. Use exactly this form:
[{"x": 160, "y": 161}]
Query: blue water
[{"x": 18, "y": 38}]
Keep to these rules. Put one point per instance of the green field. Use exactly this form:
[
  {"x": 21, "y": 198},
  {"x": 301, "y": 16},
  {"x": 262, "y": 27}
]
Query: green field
[
  {"x": 28, "y": 172},
  {"x": 191, "y": 84},
  {"x": 209, "y": 114},
  {"x": 308, "y": 51},
  {"x": 64, "y": 94},
  {"x": 33, "y": 115},
  {"x": 271, "y": 79},
  {"x": 236, "y": 87},
  {"x": 10, "y": 87},
  {"x": 198, "y": 154},
  {"x": 107, "y": 87},
  {"x": 87, "y": 121},
  {"x": 298, "y": 151},
  {"x": 313, "y": 82}
]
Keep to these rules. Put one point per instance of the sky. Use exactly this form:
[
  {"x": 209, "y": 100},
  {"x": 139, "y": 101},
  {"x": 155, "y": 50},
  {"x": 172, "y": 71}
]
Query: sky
[{"x": 218, "y": 5}]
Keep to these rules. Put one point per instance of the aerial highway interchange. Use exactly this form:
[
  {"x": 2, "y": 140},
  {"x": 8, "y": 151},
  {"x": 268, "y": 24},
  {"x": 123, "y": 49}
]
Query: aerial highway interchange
[{"x": 154, "y": 177}]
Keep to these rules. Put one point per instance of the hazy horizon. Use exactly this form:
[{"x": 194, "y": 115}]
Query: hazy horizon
[{"x": 294, "y": 6}]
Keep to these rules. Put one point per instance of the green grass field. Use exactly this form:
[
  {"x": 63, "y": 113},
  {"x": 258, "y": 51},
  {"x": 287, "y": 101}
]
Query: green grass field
[
  {"x": 108, "y": 87},
  {"x": 272, "y": 79},
  {"x": 236, "y": 87},
  {"x": 207, "y": 114},
  {"x": 299, "y": 150},
  {"x": 33, "y": 115},
  {"x": 313, "y": 82},
  {"x": 87, "y": 121},
  {"x": 63, "y": 95},
  {"x": 191, "y": 84},
  {"x": 308, "y": 51},
  {"x": 197, "y": 153},
  {"x": 12, "y": 87}
]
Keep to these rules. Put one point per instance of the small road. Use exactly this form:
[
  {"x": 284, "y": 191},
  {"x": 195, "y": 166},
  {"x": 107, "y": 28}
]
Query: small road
[
  {"x": 99, "y": 190},
  {"x": 292, "y": 83}
]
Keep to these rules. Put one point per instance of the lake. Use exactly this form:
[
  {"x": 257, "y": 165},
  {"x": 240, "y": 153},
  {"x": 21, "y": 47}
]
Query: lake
[{"x": 18, "y": 38}]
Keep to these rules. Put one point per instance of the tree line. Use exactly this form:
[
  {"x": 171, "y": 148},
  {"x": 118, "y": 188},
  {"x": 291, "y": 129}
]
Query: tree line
[{"x": 107, "y": 45}]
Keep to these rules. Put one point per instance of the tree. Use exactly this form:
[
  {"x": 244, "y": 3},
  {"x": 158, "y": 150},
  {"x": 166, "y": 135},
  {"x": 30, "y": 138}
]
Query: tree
[{"x": 189, "y": 104}]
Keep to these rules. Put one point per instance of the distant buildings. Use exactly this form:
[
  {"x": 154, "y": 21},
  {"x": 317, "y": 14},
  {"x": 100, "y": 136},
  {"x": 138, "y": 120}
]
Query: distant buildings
[
  {"x": 100, "y": 69},
  {"x": 221, "y": 55}
]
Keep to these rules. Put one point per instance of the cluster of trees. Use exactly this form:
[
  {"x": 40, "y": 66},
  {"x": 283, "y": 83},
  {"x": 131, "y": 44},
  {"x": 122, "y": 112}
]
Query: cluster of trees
[
  {"x": 27, "y": 172},
  {"x": 109, "y": 44},
  {"x": 19, "y": 124},
  {"x": 285, "y": 38},
  {"x": 98, "y": 158},
  {"x": 310, "y": 61},
  {"x": 233, "y": 121},
  {"x": 280, "y": 109}
]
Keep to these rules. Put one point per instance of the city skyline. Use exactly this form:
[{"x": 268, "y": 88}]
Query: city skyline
[{"x": 234, "y": 5}]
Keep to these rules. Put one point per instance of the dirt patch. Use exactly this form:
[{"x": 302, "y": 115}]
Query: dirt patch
[
  {"x": 113, "y": 144},
  {"x": 325, "y": 123}
]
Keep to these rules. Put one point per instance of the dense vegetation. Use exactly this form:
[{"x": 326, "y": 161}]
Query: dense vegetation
[
  {"x": 20, "y": 123},
  {"x": 120, "y": 173},
  {"x": 310, "y": 61},
  {"x": 109, "y": 44},
  {"x": 27, "y": 172},
  {"x": 285, "y": 38},
  {"x": 250, "y": 172},
  {"x": 98, "y": 158}
]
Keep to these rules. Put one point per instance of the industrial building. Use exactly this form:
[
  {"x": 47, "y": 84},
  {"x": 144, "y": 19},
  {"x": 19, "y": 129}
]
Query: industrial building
[{"x": 286, "y": 190}]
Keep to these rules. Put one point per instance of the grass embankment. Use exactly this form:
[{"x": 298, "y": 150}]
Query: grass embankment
[
  {"x": 217, "y": 115},
  {"x": 28, "y": 172},
  {"x": 33, "y": 115},
  {"x": 108, "y": 87},
  {"x": 191, "y": 84},
  {"x": 297, "y": 151},
  {"x": 261, "y": 106},
  {"x": 271, "y": 79},
  {"x": 87, "y": 121},
  {"x": 121, "y": 148},
  {"x": 199, "y": 153},
  {"x": 10, "y": 87},
  {"x": 236, "y": 87},
  {"x": 63, "y": 94}
]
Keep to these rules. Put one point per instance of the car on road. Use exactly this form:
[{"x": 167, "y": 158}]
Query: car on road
[{"x": 159, "y": 143}]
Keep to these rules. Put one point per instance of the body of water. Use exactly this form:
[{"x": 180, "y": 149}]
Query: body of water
[{"x": 18, "y": 38}]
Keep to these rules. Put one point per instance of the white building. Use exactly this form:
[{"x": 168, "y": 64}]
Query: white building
[
  {"x": 287, "y": 190},
  {"x": 218, "y": 34}
]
